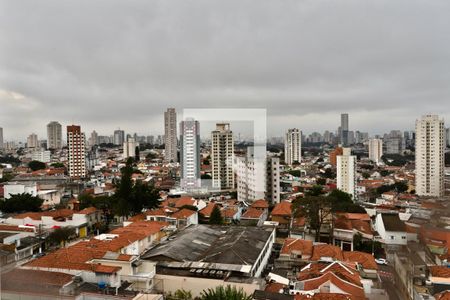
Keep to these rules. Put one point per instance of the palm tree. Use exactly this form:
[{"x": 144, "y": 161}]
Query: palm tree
[{"x": 224, "y": 293}]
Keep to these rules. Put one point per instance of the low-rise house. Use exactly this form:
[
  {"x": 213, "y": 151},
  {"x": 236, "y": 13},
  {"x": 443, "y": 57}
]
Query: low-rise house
[
  {"x": 295, "y": 252},
  {"x": 391, "y": 229},
  {"x": 282, "y": 213},
  {"x": 346, "y": 226},
  {"x": 80, "y": 220},
  {"x": 254, "y": 216},
  {"x": 108, "y": 259}
]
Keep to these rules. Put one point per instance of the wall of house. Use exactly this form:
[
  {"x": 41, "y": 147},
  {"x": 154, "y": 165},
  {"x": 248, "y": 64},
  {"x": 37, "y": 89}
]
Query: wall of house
[{"x": 169, "y": 283}]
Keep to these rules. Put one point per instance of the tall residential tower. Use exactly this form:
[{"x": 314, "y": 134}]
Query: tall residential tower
[
  {"x": 222, "y": 152},
  {"x": 430, "y": 156},
  {"x": 54, "y": 135},
  {"x": 293, "y": 146},
  {"x": 190, "y": 154},
  {"x": 77, "y": 152},
  {"x": 170, "y": 135}
]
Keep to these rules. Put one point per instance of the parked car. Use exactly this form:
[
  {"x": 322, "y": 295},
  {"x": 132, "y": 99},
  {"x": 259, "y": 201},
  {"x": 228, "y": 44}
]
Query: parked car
[{"x": 381, "y": 261}]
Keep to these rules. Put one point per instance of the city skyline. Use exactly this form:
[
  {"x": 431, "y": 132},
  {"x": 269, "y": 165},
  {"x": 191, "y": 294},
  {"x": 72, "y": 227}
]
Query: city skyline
[{"x": 305, "y": 62}]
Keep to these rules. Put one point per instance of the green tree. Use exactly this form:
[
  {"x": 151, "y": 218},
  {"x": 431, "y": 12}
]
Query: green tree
[
  {"x": 35, "y": 165},
  {"x": 58, "y": 165},
  {"x": 224, "y": 293},
  {"x": 321, "y": 181},
  {"x": 21, "y": 202},
  {"x": 190, "y": 207},
  {"x": 124, "y": 190},
  {"x": 61, "y": 235},
  {"x": 316, "y": 209},
  {"x": 143, "y": 195},
  {"x": 216, "y": 216},
  {"x": 180, "y": 295},
  {"x": 342, "y": 202},
  {"x": 86, "y": 200},
  {"x": 316, "y": 190},
  {"x": 137, "y": 156}
]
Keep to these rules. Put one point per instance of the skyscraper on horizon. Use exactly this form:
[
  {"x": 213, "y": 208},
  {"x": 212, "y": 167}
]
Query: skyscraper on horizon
[
  {"x": 344, "y": 135},
  {"x": 54, "y": 135},
  {"x": 293, "y": 146},
  {"x": 170, "y": 135},
  {"x": 190, "y": 154},
  {"x": 77, "y": 152},
  {"x": 119, "y": 137},
  {"x": 222, "y": 156},
  {"x": 430, "y": 151}
]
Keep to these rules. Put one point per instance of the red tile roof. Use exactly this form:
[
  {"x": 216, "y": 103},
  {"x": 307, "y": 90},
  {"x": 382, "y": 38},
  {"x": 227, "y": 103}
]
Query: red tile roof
[
  {"x": 298, "y": 246},
  {"x": 183, "y": 213},
  {"x": 282, "y": 209},
  {"x": 329, "y": 277},
  {"x": 440, "y": 271},
  {"x": 260, "y": 204},
  {"x": 252, "y": 213},
  {"x": 207, "y": 210},
  {"x": 274, "y": 287},
  {"x": 87, "y": 211},
  {"x": 326, "y": 250},
  {"x": 366, "y": 260}
]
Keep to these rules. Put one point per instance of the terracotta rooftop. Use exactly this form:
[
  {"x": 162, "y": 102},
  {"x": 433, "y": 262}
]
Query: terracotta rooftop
[
  {"x": 326, "y": 250},
  {"x": 260, "y": 204},
  {"x": 440, "y": 271},
  {"x": 298, "y": 246},
  {"x": 206, "y": 211},
  {"x": 282, "y": 209},
  {"x": 252, "y": 213},
  {"x": 183, "y": 213},
  {"x": 87, "y": 211},
  {"x": 366, "y": 260},
  {"x": 59, "y": 213}
]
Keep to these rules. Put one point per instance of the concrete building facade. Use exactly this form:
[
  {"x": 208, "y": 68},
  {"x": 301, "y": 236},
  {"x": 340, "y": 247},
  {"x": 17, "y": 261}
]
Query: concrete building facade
[
  {"x": 430, "y": 150},
  {"x": 293, "y": 146},
  {"x": 222, "y": 156},
  {"x": 346, "y": 168},
  {"x": 190, "y": 154},
  {"x": 170, "y": 135},
  {"x": 76, "y": 143}
]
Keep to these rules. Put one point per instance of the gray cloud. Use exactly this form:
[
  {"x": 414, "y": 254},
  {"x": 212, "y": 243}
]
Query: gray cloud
[{"x": 106, "y": 64}]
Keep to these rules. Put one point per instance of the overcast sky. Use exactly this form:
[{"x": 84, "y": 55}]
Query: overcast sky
[{"x": 109, "y": 64}]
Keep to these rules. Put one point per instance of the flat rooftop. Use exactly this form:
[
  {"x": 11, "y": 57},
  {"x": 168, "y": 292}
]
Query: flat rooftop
[{"x": 228, "y": 245}]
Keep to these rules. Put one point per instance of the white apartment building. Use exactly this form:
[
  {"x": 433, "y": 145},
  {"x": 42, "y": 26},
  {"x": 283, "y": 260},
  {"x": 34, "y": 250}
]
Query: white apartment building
[
  {"x": 430, "y": 147},
  {"x": 77, "y": 152},
  {"x": 32, "y": 141},
  {"x": 54, "y": 135},
  {"x": 129, "y": 148},
  {"x": 257, "y": 178},
  {"x": 293, "y": 146},
  {"x": 346, "y": 168},
  {"x": 222, "y": 156},
  {"x": 190, "y": 154},
  {"x": 41, "y": 155},
  {"x": 375, "y": 150},
  {"x": 170, "y": 135}
]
